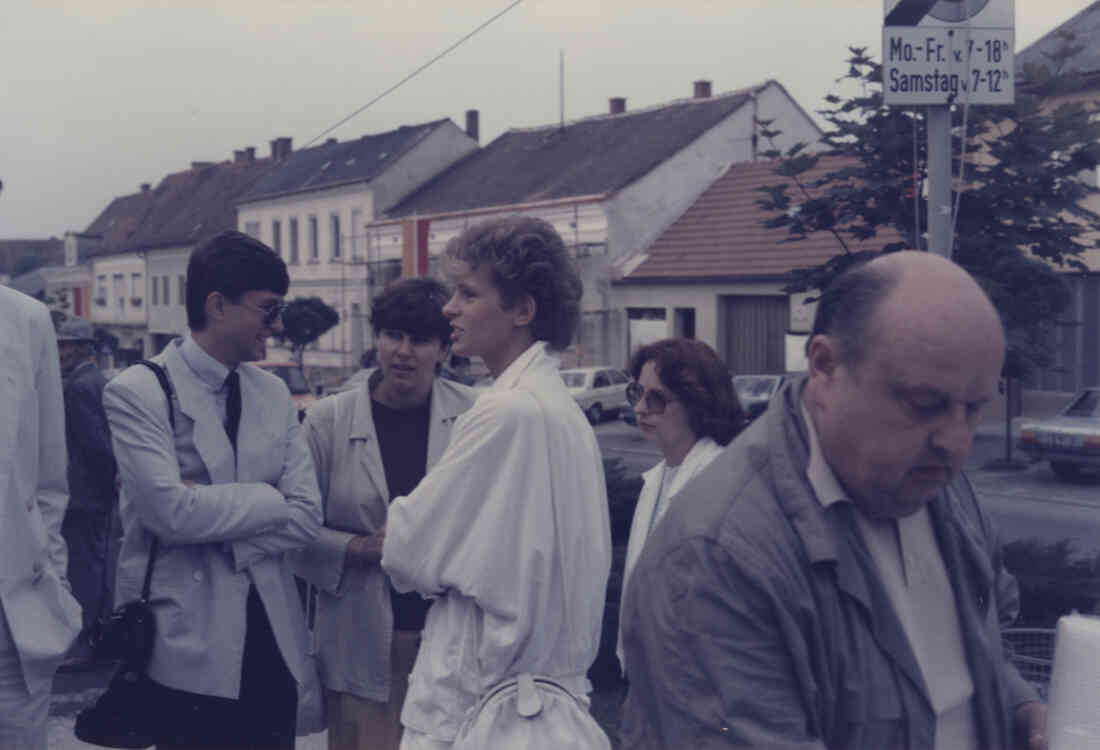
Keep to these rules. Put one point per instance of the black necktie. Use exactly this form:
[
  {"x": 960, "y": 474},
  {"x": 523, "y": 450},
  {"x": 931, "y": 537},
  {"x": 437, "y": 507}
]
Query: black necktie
[{"x": 233, "y": 407}]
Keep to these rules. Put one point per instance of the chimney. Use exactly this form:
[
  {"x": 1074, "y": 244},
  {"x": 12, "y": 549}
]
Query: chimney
[
  {"x": 145, "y": 187},
  {"x": 250, "y": 154},
  {"x": 281, "y": 148},
  {"x": 330, "y": 141},
  {"x": 617, "y": 105},
  {"x": 473, "y": 124},
  {"x": 238, "y": 155},
  {"x": 201, "y": 164},
  {"x": 701, "y": 90}
]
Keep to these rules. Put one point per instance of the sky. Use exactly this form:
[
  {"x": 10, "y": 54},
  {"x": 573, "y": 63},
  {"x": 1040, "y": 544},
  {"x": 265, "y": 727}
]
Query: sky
[{"x": 99, "y": 97}]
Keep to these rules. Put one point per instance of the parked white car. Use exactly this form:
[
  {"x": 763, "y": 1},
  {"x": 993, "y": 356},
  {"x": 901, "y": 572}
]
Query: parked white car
[{"x": 600, "y": 391}]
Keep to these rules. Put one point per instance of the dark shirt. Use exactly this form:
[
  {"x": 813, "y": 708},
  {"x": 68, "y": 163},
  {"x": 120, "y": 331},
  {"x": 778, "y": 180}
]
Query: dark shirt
[
  {"x": 403, "y": 441},
  {"x": 91, "y": 469}
]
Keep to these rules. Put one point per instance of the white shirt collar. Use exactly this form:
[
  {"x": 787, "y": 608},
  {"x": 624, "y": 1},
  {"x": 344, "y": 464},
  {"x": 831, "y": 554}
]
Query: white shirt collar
[{"x": 512, "y": 373}]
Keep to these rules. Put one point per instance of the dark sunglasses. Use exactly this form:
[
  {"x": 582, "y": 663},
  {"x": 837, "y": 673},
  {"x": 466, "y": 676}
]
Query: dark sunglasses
[
  {"x": 271, "y": 312},
  {"x": 655, "y": 401}
]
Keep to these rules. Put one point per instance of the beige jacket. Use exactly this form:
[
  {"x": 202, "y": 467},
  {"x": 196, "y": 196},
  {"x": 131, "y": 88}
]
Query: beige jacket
[{"x": 354, "y": 620}]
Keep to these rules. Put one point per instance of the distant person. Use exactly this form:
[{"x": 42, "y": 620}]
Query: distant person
[
  {"x": 39, "y": 618},
  {"x": 831, "y": 581},
  {"x": 683, "y": 398},
  {"x": 90, "y": 520},
  {"x": 227, "y": 494},
  {"x": 509, "y": 531},
  {"x": 371, "y": 445}
]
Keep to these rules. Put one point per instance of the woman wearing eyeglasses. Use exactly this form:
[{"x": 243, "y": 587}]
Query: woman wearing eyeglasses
[{"x": 683, "y": 398}]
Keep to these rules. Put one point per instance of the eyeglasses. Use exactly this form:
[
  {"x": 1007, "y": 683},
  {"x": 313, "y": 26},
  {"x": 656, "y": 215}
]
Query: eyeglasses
[
  {"x": 655, "y": 401},
  {"x": 271, "y": 312}
]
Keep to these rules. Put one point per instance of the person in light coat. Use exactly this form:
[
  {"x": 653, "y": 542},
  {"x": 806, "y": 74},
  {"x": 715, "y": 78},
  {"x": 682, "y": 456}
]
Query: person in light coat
[
  {"x": 227, "y": 500},
  {"x": 510, "y": 530},
  {"x": 683, "y": 397},
  {"x": 39, "y": 618},
  {"x": 370, "y": 445}
]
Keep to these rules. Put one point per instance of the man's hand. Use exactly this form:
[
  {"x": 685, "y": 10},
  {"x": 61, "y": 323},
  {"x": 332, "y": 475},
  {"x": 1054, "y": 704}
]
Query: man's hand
[
  {"x": 1030, "y": 726},
  {"x": 364, "y": 551}
]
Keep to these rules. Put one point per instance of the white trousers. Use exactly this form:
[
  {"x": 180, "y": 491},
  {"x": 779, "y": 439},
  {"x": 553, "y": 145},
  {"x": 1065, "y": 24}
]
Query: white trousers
[{"x": 22, "y": 715}]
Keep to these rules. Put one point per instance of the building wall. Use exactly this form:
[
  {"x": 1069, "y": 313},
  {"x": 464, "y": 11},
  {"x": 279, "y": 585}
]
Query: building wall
[
  {"x": 167, "y": 313},
  {"x": 704, "y": 299},
  {"x": 641, "y": 211},
  {"x": 118, "y": 283}
]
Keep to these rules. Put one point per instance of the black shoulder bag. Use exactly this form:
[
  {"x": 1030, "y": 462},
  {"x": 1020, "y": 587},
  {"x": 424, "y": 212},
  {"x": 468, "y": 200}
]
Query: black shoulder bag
[{"x": 123, "y": 716}]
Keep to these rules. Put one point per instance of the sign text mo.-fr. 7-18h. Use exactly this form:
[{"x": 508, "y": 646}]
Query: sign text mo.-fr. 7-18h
[{"x": 948, "y": 51}]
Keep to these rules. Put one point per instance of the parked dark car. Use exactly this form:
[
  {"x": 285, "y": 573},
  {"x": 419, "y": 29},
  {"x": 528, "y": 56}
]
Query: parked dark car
[{"x": 755, "y": 391}]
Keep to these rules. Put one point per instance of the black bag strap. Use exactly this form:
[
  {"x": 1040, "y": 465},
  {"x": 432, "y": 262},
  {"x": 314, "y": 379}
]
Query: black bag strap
[{"x": 166, "y": 386}]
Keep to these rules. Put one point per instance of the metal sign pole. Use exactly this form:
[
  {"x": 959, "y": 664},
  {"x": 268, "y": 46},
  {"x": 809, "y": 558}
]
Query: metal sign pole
[{"x": 938, "y": 124}]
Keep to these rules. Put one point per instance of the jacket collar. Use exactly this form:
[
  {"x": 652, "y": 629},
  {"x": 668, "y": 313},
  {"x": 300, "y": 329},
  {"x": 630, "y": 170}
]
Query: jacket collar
[
  {"x": 535, "y": 358},
  {"x": 444, "y": 409},
  {"x": 208, "y": 370}
]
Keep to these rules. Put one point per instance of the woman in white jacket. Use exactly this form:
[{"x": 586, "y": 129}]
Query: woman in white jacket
[
  {"x": 684, "y": 400},
  {"x": 509, "y": 531}
]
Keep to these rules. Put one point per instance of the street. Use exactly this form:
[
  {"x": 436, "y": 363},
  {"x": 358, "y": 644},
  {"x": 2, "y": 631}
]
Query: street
[{"x": 1029, "y": 503}]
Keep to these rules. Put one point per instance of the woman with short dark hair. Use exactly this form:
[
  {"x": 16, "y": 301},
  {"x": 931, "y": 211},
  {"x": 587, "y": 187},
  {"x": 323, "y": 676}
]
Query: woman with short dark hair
[{"x": 684, "y": 400}]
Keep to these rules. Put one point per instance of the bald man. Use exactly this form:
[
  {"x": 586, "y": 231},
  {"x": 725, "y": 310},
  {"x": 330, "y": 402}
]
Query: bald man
[{"x": 831, "y": 580}]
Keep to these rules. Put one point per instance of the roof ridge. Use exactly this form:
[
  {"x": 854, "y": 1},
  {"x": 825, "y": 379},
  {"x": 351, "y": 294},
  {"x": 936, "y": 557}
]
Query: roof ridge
[{"x": 645, "y": 110}]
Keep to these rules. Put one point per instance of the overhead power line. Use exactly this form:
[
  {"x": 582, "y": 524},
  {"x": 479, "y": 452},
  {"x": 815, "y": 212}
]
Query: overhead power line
[{"x": 413, "y": 74}]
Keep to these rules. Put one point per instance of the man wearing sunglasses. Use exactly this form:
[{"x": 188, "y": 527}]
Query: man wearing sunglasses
[
  {"x": 831, "y": 581},
  {"x": 227, "y": 492}
]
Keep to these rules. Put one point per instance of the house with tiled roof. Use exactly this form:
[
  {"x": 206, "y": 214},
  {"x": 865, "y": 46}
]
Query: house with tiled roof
[
  {"x": 609, "y": 184},
  {"x": 140, "y": 243},
  {"x": 717, "y": 274},
  {"x": 1077, "y": 361},
  {"x": 312, "y": 207}
]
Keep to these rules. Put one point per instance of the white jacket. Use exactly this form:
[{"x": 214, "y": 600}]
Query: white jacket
[
  {"x": 42, "y": 614},
  {"x": 510, "y": 530},
  {"x": 702, "y": 453}
]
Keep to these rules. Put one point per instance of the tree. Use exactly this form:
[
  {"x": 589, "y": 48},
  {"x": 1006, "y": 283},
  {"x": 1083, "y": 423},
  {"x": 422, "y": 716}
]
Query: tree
[
  {"x": 304, "y": 321},
  {"x": 26, "y": 264},
  {"x": 1019, "y": 212}
]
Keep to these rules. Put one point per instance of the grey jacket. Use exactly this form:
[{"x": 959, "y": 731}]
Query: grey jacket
[
  {"x": 354, "y": 620},
  {"x": 222, "y": 535},
  {"x": 756, "y": 618}
]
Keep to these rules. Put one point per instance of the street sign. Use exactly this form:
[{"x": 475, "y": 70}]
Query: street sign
[{"x": 948, "y": 52}]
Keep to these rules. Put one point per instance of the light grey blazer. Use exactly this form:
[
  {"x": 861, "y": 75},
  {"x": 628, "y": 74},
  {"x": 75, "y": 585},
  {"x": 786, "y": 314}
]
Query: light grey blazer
[
  {"x": 42, "y": 614},
  {"x": 354, "y": 626},
  {"x": 231, "y": 530}
]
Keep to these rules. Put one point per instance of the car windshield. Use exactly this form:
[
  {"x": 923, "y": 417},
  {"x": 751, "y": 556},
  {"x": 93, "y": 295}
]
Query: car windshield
[
  {"x": 293, "y": 379},
  {"x": 1085, "y": 405},
  {"x": 573, "y": 379},
  {"x": 754, "y": 387}
]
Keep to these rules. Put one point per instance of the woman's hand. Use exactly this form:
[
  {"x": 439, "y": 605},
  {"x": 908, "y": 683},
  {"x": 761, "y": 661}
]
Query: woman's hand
[{"x": 364, "y": 551}]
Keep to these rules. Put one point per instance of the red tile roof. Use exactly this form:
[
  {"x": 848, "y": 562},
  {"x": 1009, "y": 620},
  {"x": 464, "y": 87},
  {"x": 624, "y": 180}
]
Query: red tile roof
[{"x": 721, "y": 235}]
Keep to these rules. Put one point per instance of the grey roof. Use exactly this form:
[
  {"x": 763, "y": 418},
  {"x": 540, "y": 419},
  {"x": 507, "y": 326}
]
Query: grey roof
[
  {"x": 1085, "y": 26},
  {"x": 117, "y": 223},
  {"x": 51, "y": 250},
  {"x": 591, "y": 156},
  {"x": 338, "y": 163}
]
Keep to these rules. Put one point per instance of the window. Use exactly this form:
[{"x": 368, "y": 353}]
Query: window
[
  {"x": 135, "y": 285},
  {"x": 166, "y": 281},
  {"x": 618, "y": 377},
  {"x": 334, "y": 224},
  {"x": 252, "y": 229},
  {"x": 101, "y": 288},
  {"x": 314, "y": 251},
  {"x": 277, "y": 237},
  {"x": 156, "y": 296},
  {"x": 183, "y": 290},
  {"x": 356, "y": 228},
  {"x": 602, "y": 381},
  {"x": 118, "y": 290},
  {"x": 293, "y": 242}
]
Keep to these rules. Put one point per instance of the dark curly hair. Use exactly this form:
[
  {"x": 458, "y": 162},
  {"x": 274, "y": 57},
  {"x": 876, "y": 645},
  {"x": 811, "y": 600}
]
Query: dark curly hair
[
  {"x": 695, "y": 375},
  {"x": 527, "y": 256},
  {"x": 414, "y": 306},
  {"x": 231, "y": 263}
]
